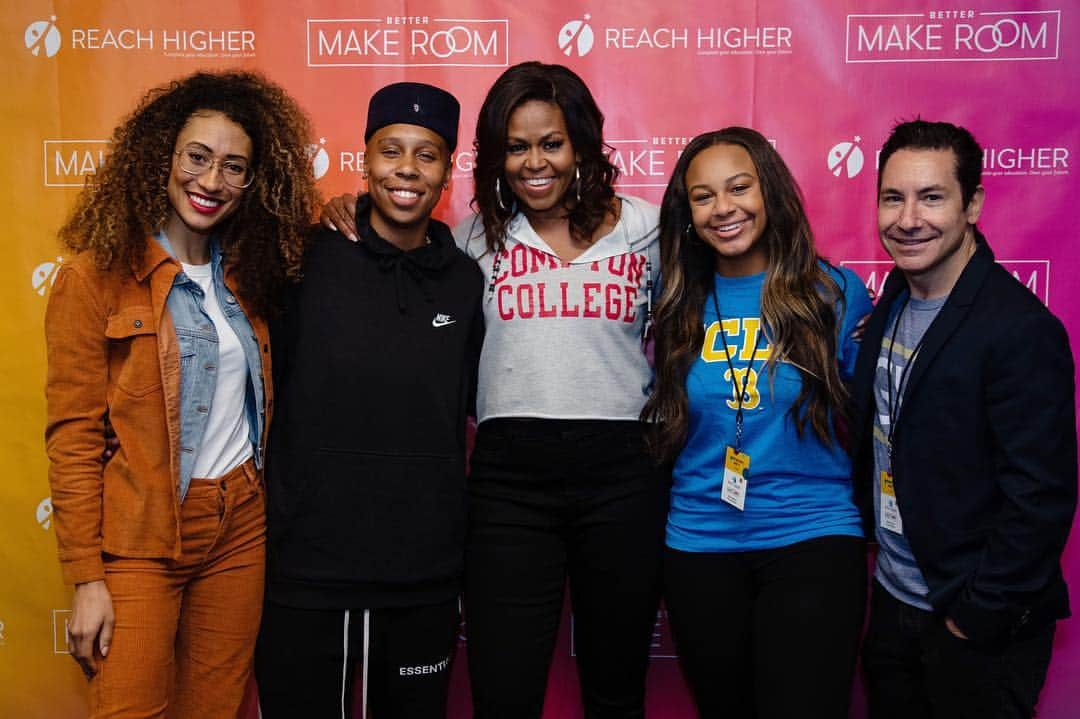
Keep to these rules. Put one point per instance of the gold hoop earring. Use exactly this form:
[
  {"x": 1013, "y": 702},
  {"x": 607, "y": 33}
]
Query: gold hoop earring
[{"x": 577, "y": 182}]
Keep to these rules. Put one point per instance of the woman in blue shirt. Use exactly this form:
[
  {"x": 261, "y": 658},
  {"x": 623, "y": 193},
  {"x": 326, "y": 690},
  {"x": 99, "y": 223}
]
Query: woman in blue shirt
[{"x": 765, "y": 567}]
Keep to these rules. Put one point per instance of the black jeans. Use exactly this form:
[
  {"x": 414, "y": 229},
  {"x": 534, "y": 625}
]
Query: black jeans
[
  {"x": 306, "y": 661},
  {"x": 917, "y": 669},
  {"x": 551, "y": 499},
  {"x": 769, "y": 634}
]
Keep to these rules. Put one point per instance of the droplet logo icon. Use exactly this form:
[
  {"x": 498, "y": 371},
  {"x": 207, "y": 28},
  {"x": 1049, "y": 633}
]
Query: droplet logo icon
[
  {"x": 44, "y": 275},
  {"x": 42, "y": 35},
  {"x": 320, "y": 158},
  {"x": 576, "y": 35},
  {"x": 846, "y": 156},
  {"x": 44, "y": 513}
]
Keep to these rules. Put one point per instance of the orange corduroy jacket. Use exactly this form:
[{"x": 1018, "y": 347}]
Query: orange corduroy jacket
[{"x": 112, "y": 350}]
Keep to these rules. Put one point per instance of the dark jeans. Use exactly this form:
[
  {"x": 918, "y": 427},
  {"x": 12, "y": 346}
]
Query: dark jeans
[
  {"x": 551, "y": 499},
  {"x": 769, "y": 634},
  {"x": 916, "y": 668},
  {"x": 304, "y": 670}
]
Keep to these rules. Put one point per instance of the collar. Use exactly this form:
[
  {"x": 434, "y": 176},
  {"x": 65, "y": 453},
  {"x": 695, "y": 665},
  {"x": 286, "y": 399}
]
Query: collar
[
  {"x": 629, "y": 235},
  {"x": 430, "y": 257},
  {"x": 417, "y": 264},
  {"x": 155, "y": 254},
  {"x": 160, "y": 251}
]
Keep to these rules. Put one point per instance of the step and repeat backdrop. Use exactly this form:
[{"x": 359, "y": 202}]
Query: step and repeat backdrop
[{"x": 824, "y": 80}]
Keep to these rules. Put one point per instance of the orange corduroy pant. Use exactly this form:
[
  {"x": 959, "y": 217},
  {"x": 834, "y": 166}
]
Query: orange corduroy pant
[{"x": 185, "y": 629}]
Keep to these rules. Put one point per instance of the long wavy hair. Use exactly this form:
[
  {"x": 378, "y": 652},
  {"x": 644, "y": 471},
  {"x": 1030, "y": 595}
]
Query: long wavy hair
[
  {"x": 585, "y": 124},
  {"x": 799, "y": 301},
  {"x": 127, "y": 200}
]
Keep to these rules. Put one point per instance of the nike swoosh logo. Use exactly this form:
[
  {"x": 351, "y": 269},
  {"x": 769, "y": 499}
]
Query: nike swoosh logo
[{"x": 441, "y": 323}]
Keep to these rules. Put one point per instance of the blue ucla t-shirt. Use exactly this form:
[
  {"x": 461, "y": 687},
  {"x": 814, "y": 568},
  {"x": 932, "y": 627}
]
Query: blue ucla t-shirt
[{"x": 797, "y": 488}]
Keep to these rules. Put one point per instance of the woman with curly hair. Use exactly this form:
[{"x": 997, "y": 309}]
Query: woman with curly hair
[
  {"x": 765, "y": 574},
  {"x": 159, "y": 326},
  {"x": 561, "y": 483}
]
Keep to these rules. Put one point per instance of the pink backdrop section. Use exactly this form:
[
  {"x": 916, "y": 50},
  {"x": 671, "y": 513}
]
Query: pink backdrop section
[{"x": 824, "y": 79}]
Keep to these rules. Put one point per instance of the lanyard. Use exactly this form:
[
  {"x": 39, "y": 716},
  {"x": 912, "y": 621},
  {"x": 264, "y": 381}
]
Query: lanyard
[
  {"x": 905, "y": 373},
  {"x": 740, "y": 389}
]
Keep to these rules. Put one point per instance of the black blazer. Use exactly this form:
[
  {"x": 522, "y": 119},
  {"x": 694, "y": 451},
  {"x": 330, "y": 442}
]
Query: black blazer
[{"x": 984, "y": 451}]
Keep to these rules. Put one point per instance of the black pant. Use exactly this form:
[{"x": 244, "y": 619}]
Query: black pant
[
  {"x": 917, "y": 669},
  {"x": 551, "y": 499},
  {"x": 769, "y": 634},
  {"x": 306, "y": 659}
]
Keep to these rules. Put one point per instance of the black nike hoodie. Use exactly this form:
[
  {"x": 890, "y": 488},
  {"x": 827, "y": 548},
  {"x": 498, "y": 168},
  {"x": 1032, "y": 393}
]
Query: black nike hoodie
[{"x": 375, "y": 360}]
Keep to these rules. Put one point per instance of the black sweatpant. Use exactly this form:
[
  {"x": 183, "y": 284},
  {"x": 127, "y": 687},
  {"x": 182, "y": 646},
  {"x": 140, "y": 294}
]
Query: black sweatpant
[
  {"x": 769, "y": 634},
  {"x": 551, "y": 499},
  {"x": 306, "y": 660}
]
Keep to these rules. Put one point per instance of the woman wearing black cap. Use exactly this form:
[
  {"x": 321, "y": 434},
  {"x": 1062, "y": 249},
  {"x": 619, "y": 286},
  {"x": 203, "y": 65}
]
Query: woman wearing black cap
[
  {"x": 561, "y": 487},
  {"x": 375, "y": 365}
]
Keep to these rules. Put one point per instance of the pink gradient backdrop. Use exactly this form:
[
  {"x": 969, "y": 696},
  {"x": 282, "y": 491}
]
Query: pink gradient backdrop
[{"x": 824, "y": 79}]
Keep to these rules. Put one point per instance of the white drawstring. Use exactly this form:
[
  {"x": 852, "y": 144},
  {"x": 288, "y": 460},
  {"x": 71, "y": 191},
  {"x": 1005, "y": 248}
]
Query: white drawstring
[
  {"x": 367, "y": 650},
  {"x": 345, "y": 664}
]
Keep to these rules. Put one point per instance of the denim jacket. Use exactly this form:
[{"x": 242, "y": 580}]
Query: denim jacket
[{"x": 198, "y": 342}]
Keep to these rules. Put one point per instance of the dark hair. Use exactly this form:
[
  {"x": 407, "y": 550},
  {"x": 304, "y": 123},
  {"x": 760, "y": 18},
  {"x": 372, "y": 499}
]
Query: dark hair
[
  {"x": 799, "y": 301},
  {"x": 585, "y": 123},
  {"x": 128, "y": 198},
  {"x": 922, "y": 135}
]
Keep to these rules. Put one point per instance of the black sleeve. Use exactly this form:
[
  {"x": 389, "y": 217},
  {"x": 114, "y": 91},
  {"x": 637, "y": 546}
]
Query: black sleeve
[
  {"x": 283, "y": 338},
  {"x": 473, "y": 349},
  {"x": 1029, "y": 403}
]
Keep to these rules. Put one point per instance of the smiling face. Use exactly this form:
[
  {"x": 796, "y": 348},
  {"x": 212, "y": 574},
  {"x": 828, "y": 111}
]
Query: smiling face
[
  {"x": 922, "y": 220},
  {"x": 728, "y": 209},
  {"x": 406, "y": 166},
  {"x": 540, "y": 161},
  {"x": 200, "y": 202}
]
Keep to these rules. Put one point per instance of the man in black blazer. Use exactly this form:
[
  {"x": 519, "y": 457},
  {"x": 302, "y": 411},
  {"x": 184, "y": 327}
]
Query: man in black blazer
[{"x": 964, "y": 450}]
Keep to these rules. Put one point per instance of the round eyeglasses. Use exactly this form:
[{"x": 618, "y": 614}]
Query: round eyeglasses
[{"x": 195, "y": 160}]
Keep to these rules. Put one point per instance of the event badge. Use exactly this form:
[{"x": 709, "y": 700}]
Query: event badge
[
  {"x": 890, "y": 510},
  {"x": 734, "y": 490}
]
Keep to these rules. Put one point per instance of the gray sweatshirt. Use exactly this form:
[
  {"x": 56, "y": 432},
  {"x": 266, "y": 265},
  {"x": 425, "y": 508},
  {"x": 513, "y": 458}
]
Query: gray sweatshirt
[{"x": 564, "y": 340}]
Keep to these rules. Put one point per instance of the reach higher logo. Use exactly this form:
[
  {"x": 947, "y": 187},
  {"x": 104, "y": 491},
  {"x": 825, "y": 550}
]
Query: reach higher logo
[
  {"x": 954, "y": 36},
  {"x": 44, "y": 38},
  {"x": 408, "y": 41}
]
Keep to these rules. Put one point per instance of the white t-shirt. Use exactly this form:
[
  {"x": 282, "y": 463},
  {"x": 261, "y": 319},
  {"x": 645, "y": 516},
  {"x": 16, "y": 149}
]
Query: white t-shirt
[
  {"x": 226, "y": 442},
  {"x": 564, "y": 340}
]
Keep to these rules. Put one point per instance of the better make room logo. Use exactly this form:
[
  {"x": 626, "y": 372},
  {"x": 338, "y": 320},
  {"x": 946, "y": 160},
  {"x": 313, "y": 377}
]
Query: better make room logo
[
  {"x": 408, "y": 41},
  {"x": 1033, "y": 274},
  {"x": 954, "y": 36},
  {"x": 68, "y": 162}
]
